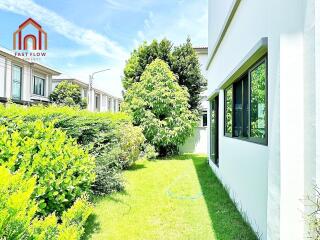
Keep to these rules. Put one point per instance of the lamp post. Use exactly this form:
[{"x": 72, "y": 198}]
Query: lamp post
[{"x": 91, "y": 100}]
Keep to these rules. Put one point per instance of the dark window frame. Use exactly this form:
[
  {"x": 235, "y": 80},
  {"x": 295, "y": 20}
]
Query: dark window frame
[
  {"x": 21, "y": 81},
  {"x": 34, "y": 86},
  {"x": 262, "y": 141},
  {"x": 227, "y": 134}
]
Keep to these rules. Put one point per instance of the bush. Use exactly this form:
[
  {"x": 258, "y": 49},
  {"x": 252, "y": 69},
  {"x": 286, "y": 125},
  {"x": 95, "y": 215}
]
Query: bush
[
  {"x": 149, "y": 152},
  {"x": 63, "y": 170},
  {"x": 102, "y": 134},
  {"x": 17, "y": 212},
  {"x": 16, "y": 207},
  {"x": 160, "y": 107}
]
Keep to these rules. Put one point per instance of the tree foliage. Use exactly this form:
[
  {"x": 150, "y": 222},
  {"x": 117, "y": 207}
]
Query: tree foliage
[
  {"x": 68, "y": 94},
  {"x": 182, "y": 61},
  {"x": 160, "y": 106}
]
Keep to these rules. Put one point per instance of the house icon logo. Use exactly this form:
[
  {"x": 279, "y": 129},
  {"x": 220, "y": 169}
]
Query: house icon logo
[{"x": 21, "y": 40}]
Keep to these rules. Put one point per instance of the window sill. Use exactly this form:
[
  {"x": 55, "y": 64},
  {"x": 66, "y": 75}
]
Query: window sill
[{"x": 250, "y": 140}]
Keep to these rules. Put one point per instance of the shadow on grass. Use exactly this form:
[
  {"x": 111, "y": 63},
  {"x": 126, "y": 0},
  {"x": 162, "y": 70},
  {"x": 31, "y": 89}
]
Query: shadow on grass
[
  {"x": 136, "y": 166},
  {"x": 227, "y": 223},
  {"x": 92, "y": 226}
]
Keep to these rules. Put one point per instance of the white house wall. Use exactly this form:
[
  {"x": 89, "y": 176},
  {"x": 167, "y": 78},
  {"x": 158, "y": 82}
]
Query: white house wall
[
  {"x": 270, "y": 183},
  {"x": 2, "y": 76},
  {"x": 243, "y": 165}
]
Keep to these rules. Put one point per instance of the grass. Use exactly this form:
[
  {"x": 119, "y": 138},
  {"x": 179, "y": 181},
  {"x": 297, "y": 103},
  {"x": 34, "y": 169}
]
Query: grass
[{"x": 169, "y": 199}]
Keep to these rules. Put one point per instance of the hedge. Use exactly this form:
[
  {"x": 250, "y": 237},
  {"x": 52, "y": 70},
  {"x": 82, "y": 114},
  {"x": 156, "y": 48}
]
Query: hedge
[{"x": 109, "y": 137}]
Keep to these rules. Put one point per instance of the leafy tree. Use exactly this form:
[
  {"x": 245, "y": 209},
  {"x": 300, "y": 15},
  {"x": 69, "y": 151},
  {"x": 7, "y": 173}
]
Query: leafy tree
[
  {"x": 68, "y": 94},
  {"x": 182, "y": 60},
  {"x": 185, "y": 64},
  {"x": 159, "y": 105}
]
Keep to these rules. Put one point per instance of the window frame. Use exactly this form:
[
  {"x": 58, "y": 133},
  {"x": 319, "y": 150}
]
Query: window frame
[
  {"x": 43, "y": 87},
  {"x": 261, "y": 141},
  {"x": 225, "y": 112},
  {"x": 21, "y": 80}
]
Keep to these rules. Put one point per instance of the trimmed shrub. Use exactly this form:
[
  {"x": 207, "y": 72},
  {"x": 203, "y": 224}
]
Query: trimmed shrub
[
  {"x": 71, "y": 226},
  {"x": 102, "y": 134},
  {"x": 16, "y": 207},
  {"x": 17, "y": 212},
  {"x": 63, "y": 170}
]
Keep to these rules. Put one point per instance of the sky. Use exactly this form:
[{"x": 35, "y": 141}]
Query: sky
[{"x": 85, "y": 36}]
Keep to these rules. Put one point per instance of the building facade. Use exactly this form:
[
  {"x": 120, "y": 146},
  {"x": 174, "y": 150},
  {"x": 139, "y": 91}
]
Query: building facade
[
  {"x": 263, "y": 74},
  {"x": 98, "y": 100},
  {"x": 197, "y": 143},
  {"x": 22, "y": 81}
]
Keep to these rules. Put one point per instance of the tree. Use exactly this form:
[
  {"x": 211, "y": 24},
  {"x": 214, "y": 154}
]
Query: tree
[
  {"x": 160, "y": 106},
  {"x": 182, "y": 60},
  {"x": 67, "y": 93}
]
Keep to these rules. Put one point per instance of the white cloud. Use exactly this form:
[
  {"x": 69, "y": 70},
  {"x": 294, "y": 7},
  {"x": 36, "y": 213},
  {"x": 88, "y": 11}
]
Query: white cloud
[
  {"x": 188, "y": 19},
  {"x": 94, "y": 41}
]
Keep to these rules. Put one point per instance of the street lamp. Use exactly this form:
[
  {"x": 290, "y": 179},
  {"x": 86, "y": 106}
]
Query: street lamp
[
  {"x": 92, "y": 75},
  {"x": 91, "y": 95}
]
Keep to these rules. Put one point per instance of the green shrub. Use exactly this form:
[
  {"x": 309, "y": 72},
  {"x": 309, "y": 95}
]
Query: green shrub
[
  {"x": 130, "y": 141},
  {"x": 17, "y": 212},
  {"x": 71, "y": 226},
  {"x": 102, "y": 134},
  {"x": 63, "y": 170},
  {"x": 16, "y": 207},
  {"x": 149, "y": 152}
]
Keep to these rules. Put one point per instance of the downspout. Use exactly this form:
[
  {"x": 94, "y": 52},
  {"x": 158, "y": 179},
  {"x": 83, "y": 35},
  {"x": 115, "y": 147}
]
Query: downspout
[{"x": 5, "y": 77}]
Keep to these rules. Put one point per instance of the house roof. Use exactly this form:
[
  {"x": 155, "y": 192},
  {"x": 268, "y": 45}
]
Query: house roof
[
  {"x": 7, "y": 52},
  {"x": 83, "y": 83}
]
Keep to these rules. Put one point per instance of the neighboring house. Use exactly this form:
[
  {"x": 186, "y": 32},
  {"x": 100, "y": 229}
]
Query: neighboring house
[
  {"x": 98, "y": 100},
  {"x": 197, "y": 143},
  {"x": 22, "y": 81},
  {"x": 263, "y": 75}
]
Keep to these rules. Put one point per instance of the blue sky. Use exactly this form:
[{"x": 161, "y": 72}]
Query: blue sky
[{"x": 86, "y": 36}]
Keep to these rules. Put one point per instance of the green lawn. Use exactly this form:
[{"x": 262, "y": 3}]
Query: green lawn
[{"x": 171, "y": 199}]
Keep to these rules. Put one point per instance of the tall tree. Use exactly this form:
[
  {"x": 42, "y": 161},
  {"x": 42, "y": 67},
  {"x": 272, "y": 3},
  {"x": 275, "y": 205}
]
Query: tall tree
[
  {"x": 182, "y": 60},
  {"x": 160, "y": 106}
]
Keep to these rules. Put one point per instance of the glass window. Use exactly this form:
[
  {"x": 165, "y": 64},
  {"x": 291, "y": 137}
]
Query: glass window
[
  {"x": 38, "y": 86},
  {"x": 228, "y": 111},
  {"x": 258, "y": 101},
  {"x": 109, "y": 104},
  {"x": 246, "y": 110},
  {"x": 237, "y": 125},
  {"x": 204, "y": 120},
  {"x": 16, "y": 82}
]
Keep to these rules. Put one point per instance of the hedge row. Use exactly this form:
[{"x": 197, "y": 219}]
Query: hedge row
[
  {"x": 53, "y": 155},
  {"x": 109, "y": 137}
]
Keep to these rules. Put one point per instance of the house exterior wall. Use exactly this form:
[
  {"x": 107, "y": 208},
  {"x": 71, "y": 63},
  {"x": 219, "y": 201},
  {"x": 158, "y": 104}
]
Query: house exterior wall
[
  {"x": 197, "y": 143},
  {"x": 28, "y": 72},
  {"x": 269, "y": 182}
]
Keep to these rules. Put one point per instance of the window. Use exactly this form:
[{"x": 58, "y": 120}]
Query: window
[
  {"x": 214, "y": 130},
  {"x": 204, "y": 119},
  {"x": 228, "y": 111},
  {"x": 115, "y": 105},
  {"x": 258, "y": 101},
  {"x": 109, "y": 104},
  {"x": 16, "y": 82},
  {"x": 38, "y": 86},
  {"x": 246, "y": 105}
]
